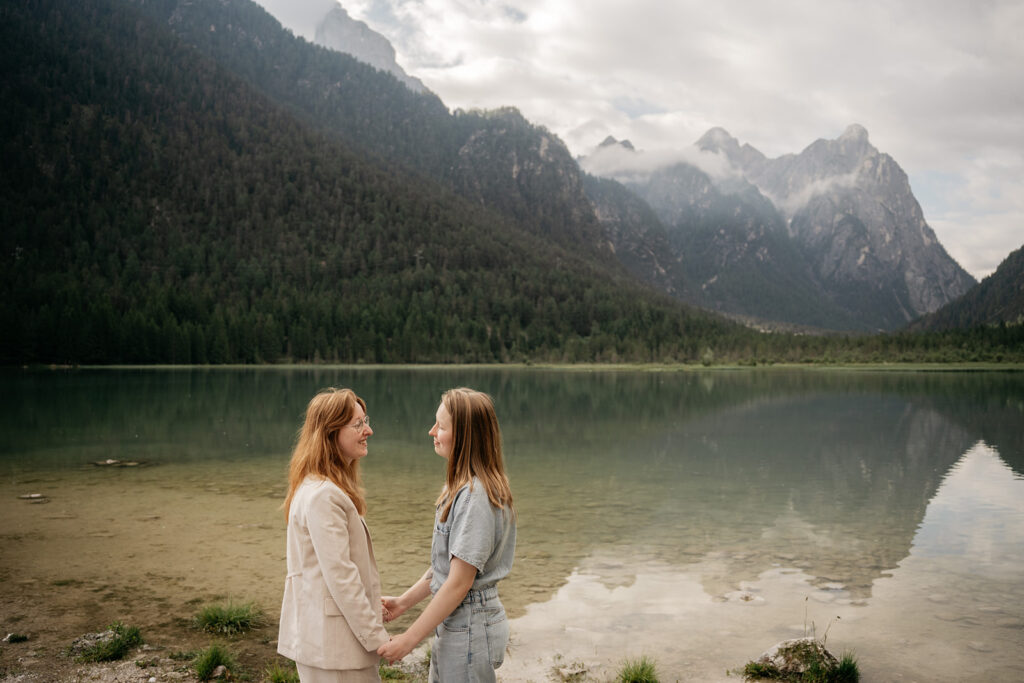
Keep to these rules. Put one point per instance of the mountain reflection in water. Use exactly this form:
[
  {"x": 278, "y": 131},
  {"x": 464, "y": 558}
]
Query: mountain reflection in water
[{"x": 698, "y": 517}]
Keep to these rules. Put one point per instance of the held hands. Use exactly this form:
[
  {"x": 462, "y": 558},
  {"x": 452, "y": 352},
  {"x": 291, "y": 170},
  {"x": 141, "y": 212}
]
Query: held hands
[
  {"x": 396, "y": 648},
  {"x": 392, "y": 608}
]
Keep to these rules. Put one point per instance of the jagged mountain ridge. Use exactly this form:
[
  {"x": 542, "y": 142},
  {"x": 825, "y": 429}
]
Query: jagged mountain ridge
[
  {"x": 851, "y": 210},
  {"x": 835, "y": 230},
  {"x": 338, "y": 31},
  {"x": 735, "y": 252},
  {"x": 164, "y": 203},
  {"x": 502, "y": 161},
  {"x": 497, "y": 158}
]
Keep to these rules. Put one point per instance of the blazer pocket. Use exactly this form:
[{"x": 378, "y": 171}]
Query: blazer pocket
[{"x": 331, "y": 607}]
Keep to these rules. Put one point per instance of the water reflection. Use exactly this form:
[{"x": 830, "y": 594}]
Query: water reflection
[
  {"x": 951, "y": 610},
  {"x": 692, "y": 510},
  {"x": 835, "y": 485},
  {"x": 976, "y": 517}
]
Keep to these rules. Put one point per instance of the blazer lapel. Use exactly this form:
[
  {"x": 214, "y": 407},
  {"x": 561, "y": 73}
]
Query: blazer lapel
[{"x": 369, "y": 541}]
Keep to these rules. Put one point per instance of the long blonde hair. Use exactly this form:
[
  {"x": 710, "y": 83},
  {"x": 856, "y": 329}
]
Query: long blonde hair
[
  {"x": 476, "y": 449},
  {"x": 316, "y": 450}
]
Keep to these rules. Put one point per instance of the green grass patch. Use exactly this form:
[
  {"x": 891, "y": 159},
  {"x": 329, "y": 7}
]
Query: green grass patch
[
  {"x": 229, "y": 619},
  {"x": 108, "y": 649},
  {"x": 281, "y": 673},
  {"x": 640, "y": 670},
  {"x": 390, "y": 673},
  {"x": 212, "y": 657},
  {"x": 846, "y": 671}
]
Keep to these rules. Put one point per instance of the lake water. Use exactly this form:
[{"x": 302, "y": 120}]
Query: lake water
[{"x": 695, "y": 517}]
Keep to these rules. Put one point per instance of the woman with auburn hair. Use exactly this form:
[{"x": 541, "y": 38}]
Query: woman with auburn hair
[
  {"x": 331, "y": 616},
  {"x": 473, "y": 546}
]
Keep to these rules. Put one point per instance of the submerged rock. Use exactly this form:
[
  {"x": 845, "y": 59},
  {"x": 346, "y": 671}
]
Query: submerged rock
[{"x": 34, "y": 498}]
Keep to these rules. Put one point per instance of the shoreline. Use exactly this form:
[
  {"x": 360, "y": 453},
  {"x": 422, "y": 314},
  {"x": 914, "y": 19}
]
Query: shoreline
[{"x": 812, "y": 366}]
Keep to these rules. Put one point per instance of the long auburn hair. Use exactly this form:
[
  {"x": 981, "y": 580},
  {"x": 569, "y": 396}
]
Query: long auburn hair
[
  {"x": 476, "y": 449},
  {"x": 316, "y": 450}
]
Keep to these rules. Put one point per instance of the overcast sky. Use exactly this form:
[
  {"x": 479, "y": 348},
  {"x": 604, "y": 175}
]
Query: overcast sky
[{"x": 938, "y": 84}]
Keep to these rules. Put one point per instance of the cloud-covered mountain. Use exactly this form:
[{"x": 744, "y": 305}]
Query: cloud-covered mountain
[
  {"x": 830, "y": 237},
  {"x": 338, "y": 31},
  {"x": 186, "y": 182}
]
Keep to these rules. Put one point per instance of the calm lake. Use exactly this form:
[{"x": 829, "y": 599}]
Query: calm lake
[{"x": 695, "y": 517}]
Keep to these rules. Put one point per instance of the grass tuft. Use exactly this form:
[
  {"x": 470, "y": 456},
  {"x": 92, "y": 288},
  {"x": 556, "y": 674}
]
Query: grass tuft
[
  {"x": 115, "y": 647},
  {"x": 229, "y": 619},
  {"x": 846, "y": 671},
  {"x": 278, "y": 673},
  {"x": 391, "y": 673},
  {"x": 756, "y": 671},
  {"x": 638, "y": 671},
  {"x": 210, "y": 658}
]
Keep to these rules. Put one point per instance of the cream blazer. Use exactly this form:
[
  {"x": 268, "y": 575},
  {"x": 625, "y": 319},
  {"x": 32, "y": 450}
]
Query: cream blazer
[{"x": 331, "y": 612}]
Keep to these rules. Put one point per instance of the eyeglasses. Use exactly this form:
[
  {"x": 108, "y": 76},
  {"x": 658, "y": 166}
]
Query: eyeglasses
[{"x": 360, "y": 423}]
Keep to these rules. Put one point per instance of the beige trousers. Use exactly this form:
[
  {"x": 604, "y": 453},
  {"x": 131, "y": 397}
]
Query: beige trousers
[{"x": 311, "y": 674}]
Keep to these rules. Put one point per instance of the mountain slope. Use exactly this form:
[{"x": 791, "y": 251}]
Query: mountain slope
[
  {"x": 159, "y": 208},
  {"x": 831, "y": 237},
  {"x": 637, "y": 236},
  {"x": 998, "y": 299},
  {"x": 492, "y": 158},
  {"x": 851, "y": 210}
]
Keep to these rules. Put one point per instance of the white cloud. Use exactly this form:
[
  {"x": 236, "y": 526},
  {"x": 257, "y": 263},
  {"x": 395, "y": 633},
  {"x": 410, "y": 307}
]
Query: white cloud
[
  {"x": 623, "y": 164},
  {"x": 935, "y": 82}
]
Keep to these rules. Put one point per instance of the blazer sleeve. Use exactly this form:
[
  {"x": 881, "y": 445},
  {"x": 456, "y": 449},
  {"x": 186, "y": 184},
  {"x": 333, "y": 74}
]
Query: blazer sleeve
[{"x": 329, "y": 531}]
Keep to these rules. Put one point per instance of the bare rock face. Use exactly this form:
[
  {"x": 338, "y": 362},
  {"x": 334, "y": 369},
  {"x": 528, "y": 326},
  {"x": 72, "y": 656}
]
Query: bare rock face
[
  {"x": 338, "y": 31},
  {"x": 524, "y": 171},
  {"x": 637, "y": 237},
  {"x": 830, "y": 237},
  {"x": 852, "y": 210}
]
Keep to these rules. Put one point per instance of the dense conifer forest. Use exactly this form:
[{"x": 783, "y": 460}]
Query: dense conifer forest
[{"x": 158, "y": 207}]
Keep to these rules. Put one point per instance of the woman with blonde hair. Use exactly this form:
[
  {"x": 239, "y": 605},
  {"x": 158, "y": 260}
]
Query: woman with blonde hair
[
  {"x": 473, "y": 546},
  {"x": 331, "y": 616}
]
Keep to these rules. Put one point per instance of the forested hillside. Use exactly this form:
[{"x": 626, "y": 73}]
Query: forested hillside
[
  {"x": 185, "y": 182},
  {"x": 158, "y": 208},
  {"x": 996, "y": 300},
  {"x": 496, "y": 158}
]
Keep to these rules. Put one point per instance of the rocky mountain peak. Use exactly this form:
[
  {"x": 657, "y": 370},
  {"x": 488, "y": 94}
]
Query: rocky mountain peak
[
  {"x": 854, "y": 133},
  {"x": 837, "y": 221},
  {"x": 612, "y": 142},
  {"x": 719, "y": 141},
  {"x": 854, "y": 143},
  {"x": 338, "y": 31}
]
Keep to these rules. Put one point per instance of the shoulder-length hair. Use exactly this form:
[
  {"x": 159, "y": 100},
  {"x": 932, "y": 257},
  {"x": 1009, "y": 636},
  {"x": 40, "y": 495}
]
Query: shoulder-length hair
[
  {"x": 476, "y": 449},
  {"x": 316, "y": 450}
]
